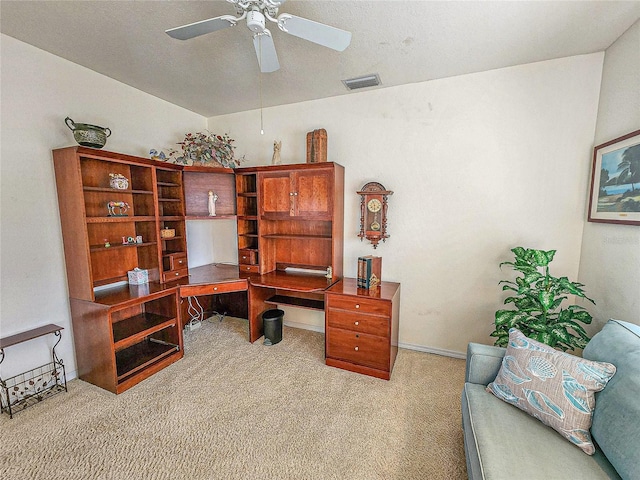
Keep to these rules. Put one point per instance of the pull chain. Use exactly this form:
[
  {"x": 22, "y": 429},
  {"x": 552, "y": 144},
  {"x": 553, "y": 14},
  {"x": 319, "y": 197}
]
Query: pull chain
[{"x": 260, "y": 85}]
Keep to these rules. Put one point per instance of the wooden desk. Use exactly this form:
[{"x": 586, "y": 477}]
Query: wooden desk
[
  {"x": 210, "y": 281},
  {"x": 282, "y": 288},
  {"x": 264, "y": 291}
]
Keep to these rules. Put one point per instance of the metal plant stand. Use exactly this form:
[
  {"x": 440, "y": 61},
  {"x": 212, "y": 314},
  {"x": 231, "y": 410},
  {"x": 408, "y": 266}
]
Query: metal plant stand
[{"x": 33, "y": 386}]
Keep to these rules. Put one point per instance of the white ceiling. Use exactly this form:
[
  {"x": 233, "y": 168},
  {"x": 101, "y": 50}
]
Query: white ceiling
[{"x": 403, "y": 41}]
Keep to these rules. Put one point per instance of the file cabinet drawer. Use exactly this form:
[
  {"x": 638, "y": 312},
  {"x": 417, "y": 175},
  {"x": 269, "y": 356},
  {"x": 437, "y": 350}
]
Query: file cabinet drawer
[
  {"x": 361, "y": 348},
  {"x": 371, "y": 324},
  {"x": 359, "y": 304}
]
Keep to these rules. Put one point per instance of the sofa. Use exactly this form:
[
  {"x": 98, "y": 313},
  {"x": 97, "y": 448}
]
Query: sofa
[{"x": 503, "y": 442}]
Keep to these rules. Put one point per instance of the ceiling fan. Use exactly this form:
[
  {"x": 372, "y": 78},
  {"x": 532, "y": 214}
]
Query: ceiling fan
[{"x": 256, "y": 12}]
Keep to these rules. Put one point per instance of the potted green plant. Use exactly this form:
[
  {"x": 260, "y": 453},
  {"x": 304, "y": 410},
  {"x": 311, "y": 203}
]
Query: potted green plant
[{"x": 537, "y": 300}]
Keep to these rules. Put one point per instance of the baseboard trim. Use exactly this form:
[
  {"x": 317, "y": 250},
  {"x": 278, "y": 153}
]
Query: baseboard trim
[
  {"x": 305, "y": 326},
  {"x": 436, "y": 351}
]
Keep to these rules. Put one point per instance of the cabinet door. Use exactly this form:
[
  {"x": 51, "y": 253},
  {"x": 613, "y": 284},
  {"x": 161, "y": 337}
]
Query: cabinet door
[
  {"x": 304, "y": 194},
  {"x": 276, "y": 195},
  {"x": 313, "y": 194}
]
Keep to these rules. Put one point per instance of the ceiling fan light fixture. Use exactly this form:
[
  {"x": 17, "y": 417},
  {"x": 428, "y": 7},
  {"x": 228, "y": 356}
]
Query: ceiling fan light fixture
[
  {"x": 255, "y": 21},
  {"x": 372, "y": 80}
]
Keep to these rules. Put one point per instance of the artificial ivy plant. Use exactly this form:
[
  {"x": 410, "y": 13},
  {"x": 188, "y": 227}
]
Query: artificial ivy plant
[{"x": 538, "y": 299}]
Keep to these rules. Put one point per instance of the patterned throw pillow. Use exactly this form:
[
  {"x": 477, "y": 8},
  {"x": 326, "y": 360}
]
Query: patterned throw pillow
[{"x": 554, "y": 387}]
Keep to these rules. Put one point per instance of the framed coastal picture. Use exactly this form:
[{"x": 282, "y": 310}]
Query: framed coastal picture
[{"x": 615, "y": 181}]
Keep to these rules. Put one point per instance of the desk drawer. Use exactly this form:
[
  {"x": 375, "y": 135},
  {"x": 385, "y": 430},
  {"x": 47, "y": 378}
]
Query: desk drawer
[
  {"x": 172, "y": 275},
  {"x": 212, "y": 289},
  {"x": 359, "y": 304},
  {"x": 372, "y": 324},
  {"x": 249, "y": 268},
  {"x": 247, "y": 257},
  {"x": 177, "y": 261},
  {"x": 360, "y": 348}
]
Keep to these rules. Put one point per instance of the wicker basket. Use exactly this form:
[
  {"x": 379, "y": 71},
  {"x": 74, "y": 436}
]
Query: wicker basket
[{"x": 168, "y": 232}]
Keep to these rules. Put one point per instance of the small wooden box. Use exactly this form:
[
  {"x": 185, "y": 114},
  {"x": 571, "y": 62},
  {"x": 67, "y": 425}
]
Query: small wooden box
[
  {"x": 317, "y": 146},
  {"x": 168, "y": 232}
]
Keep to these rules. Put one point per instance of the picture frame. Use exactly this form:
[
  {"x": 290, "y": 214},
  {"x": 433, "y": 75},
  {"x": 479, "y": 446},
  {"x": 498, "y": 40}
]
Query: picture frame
[{"x": 615, "y": 181}]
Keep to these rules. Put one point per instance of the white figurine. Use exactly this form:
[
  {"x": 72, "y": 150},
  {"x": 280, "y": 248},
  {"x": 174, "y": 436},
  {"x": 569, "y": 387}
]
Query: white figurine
[
  {"x": 277, "y": 146},
  {"x": 212, "y": 203}
]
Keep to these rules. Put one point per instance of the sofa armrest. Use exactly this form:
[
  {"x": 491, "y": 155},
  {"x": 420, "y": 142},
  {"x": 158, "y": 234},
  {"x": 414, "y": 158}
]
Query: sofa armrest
[{"x": 483, "y": 363}]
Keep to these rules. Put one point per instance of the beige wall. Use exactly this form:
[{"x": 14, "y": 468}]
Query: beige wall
[
  {"x": 38, "y": 91},
  {"x": 479, "y": 164},
  {"x": 610, "y": 260}
]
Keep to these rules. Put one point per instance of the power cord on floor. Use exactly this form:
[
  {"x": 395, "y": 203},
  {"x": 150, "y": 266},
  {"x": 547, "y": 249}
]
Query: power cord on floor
[{"x": 218, "y": 316}]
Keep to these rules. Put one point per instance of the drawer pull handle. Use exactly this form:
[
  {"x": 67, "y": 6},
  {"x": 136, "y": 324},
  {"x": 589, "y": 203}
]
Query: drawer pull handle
[
  {"x": 356, "y": 323},
  {"x": 357, "y": 305},
  {"x": 177, "y": 273},
  {"x": 357, "y": 336},
  {"x": 356, "y": 349},
  {"x": 244, "y": 258},
  {"x": 215, "y": 288},
  {"x": 179, "y": 262}
]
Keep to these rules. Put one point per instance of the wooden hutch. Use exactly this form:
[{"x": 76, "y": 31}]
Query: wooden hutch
[{"x": 288, "y": 216}]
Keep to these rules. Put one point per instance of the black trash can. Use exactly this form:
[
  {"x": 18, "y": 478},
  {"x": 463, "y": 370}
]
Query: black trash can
[{"x": 272, "y": 324}]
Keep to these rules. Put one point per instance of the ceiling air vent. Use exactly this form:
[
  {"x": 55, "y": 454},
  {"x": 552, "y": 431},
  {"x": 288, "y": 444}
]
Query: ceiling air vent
[{"x": 365, "y": 81}]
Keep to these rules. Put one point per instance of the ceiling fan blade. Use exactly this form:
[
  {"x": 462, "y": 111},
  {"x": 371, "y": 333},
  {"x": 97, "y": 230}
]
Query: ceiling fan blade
[
  {"x": 266, "y": 52},
  {"x": 185, "y": 32},
  {"x": 315, "y": 32}
]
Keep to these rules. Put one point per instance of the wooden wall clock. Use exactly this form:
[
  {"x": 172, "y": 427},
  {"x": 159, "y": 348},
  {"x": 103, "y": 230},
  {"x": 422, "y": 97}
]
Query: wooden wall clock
[{"x": 373, "y": 212}]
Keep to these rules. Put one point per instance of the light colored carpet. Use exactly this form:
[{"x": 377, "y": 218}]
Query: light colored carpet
[{"x": 235, "y": 410}]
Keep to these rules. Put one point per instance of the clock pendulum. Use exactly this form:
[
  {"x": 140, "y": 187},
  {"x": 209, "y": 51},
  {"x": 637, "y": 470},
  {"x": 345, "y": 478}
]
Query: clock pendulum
[{"x": 374, "y": 205}]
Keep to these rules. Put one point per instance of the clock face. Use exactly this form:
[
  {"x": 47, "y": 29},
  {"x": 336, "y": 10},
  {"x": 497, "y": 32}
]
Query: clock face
[{"x": 374, "y": 205}]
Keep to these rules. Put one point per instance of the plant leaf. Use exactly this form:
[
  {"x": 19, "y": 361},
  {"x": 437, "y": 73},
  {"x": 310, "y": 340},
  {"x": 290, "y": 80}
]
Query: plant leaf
[
  {"x": 503, "y": 317},
  {"x": 546, "y": 299},
  {"x": 546, "y": 337},
  {"x": 583, "y": 317},
  {"x": 539, "y": 327},
  {"x": 540, "y": 257},
  {"x": 550, "y": 254},
  {"x": 562, "y": 334},
  {"x": 575, "y": 327}
]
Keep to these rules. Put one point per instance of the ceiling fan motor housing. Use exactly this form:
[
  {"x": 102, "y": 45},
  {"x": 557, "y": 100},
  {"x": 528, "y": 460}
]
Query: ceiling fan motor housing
[{"x": 255, "y": 21}]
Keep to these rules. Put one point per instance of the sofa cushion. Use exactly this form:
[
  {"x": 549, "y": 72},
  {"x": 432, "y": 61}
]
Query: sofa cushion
[
  {"x": 616, "y": 420},
  {"x": 504, "y": 443},
  {"x": 554, "y": 387},
  {"x": 483, "y": 363}
]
